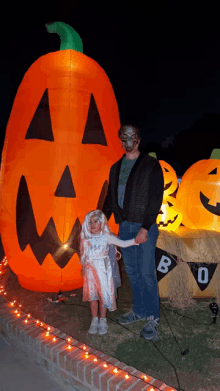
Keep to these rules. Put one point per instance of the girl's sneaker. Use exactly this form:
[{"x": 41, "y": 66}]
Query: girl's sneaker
[
  {"x": 103, "y": 327},
  {"x": 94, "y": 326}
]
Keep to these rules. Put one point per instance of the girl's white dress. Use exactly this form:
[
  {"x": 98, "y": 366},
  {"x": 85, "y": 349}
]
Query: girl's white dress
[{"x": 98, "y": 280}]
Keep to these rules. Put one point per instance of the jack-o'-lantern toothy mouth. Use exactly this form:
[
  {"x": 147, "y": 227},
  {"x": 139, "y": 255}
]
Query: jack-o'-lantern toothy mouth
[
  {"x": 163, "y": 224},
  {"x": 167, "y": 185},
  {"x": 210, "y": 208},
  {"x": 49, "y": 241}
]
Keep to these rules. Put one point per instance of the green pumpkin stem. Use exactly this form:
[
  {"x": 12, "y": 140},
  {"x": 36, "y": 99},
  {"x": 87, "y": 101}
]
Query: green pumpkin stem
[
  {"x": 153, "y": 154},
  {"x": 69, "y": 38},
  {"x": 215, "y": 154}
]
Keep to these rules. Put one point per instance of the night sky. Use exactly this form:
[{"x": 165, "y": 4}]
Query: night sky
[{"x": 163, "y": 59}]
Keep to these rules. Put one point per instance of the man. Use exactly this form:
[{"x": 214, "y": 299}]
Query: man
[{"x": 135, "y": 195}]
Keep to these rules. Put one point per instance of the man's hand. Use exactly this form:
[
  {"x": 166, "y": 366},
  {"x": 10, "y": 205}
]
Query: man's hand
[{"x": 141, "y": 236}]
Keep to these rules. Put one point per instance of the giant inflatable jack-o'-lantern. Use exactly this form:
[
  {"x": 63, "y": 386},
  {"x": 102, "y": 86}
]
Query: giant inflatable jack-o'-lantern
[
  {"x": 61, "y": 140},
  {"x": 198, "y": 195}
]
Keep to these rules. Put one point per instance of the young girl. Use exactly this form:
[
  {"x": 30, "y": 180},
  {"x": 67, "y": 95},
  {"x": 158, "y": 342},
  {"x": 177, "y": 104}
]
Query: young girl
[{"x": 99, "y": 278}]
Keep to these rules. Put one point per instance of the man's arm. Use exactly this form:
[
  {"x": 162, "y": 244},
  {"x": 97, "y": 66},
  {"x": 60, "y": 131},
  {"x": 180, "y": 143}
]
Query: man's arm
[{"x": 156, "y": 186}]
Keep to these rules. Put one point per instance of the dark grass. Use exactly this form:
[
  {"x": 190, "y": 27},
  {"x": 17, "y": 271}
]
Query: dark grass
[{"x": 198, "y": 370}]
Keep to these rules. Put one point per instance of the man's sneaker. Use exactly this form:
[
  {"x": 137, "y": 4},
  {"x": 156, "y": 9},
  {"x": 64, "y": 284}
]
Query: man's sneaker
[
  {"x": 102, "y": 327},
  {"x": 94, "y": 326},
  {"x": 130, "y": 317},
  {"x": 150, "y": 330}
]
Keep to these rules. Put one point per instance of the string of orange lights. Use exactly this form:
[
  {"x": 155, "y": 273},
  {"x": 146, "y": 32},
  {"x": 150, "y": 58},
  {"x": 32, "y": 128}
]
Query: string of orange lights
[{"x": 50, "y": 336}]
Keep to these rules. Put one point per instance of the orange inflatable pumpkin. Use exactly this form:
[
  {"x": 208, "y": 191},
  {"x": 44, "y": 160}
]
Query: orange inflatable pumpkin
[
  {"x": 198, "y": 195},
  {"x": 61, "y": 140},
  {"x": 169, "y": 174},
  {"x": 170, "y": 216}
]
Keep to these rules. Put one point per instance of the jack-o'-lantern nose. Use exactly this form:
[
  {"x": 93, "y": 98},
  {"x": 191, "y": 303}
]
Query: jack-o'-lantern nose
[{"x": 65, "y": 187}]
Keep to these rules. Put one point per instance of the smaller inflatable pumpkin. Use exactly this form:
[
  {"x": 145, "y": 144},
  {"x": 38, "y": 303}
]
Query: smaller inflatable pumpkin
[
  {"x": 169, "y": 174},
  {"x": 198, "y": 195}
]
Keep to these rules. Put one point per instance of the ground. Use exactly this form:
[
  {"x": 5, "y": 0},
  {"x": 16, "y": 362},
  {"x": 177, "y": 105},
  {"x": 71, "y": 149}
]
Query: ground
[{"x": 199, "y": 370}]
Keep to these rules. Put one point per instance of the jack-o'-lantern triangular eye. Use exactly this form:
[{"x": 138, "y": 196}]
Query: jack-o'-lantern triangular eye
[
  {"x": 94, "y": 132},
  {"x": 40, "y": 127},
  {"x": 213, "y": 172},
  {"x": 166, "y": 169},
  {"x": 169, "y": 203}
]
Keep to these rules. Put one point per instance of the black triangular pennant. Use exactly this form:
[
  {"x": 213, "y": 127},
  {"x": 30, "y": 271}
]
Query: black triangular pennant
[
  {"x": 94, "y": 132},
  {"x": 65, "y": 187},
  {"x": 164, "y": 263},
  {"x": 40, "y": 127},
  {"x": 203, "y": 273}
]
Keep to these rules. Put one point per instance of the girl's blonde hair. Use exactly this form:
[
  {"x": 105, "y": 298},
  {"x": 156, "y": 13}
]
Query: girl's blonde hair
[{"x": 86, "y": 234}]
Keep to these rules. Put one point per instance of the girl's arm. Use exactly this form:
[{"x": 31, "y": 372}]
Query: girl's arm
[{"x": 112, "y": 239}]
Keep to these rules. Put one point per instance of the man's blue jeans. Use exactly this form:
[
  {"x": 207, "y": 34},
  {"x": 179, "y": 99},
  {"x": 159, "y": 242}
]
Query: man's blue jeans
[{"x": 140, "y": 268}]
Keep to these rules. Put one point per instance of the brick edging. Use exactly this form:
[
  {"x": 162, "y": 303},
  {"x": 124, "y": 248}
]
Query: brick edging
[{"x": 72, "y": 368}]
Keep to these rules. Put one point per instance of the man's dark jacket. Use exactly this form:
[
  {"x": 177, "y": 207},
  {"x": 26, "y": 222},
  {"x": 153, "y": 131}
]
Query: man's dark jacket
[{"x": 143, "y": 193}]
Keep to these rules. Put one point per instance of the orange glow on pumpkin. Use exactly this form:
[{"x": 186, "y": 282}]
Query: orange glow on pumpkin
[
  {"x": 169, "y": 175},
  {"x": 198, "y": 195},
  {"x": 170, "y": 178},
  {"x": 170, "y": 216}
]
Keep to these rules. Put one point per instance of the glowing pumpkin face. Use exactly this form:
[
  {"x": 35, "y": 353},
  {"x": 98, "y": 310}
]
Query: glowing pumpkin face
[
  {"x": 169, "y": 175},
  {"x": 169, "y": 217},
  {"x": 170, "y": 178},
  {"x": 199, "y": 194},
  {"x": 61, "y": 140}
]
